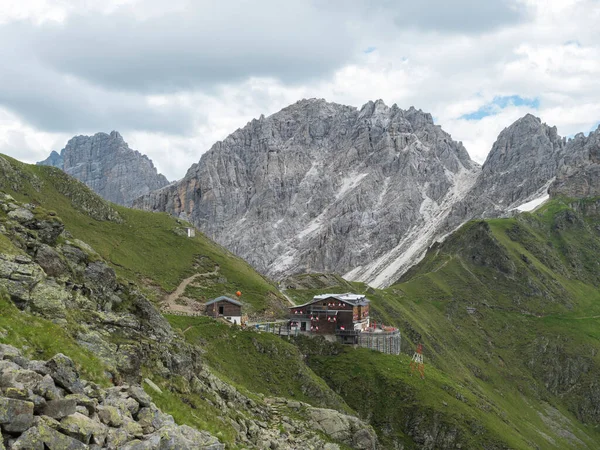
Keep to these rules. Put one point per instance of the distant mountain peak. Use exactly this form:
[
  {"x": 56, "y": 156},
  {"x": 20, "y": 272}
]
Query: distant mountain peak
[{"x": 108, "y": 166}]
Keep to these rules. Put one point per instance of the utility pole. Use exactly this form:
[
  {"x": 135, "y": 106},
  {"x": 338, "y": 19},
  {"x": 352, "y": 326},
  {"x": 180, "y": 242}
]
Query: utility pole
[{"x": 417, "y": 362}]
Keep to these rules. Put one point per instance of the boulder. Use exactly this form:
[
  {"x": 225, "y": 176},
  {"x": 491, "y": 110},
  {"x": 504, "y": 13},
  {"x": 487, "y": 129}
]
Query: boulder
[
  {"x": 151, "y": 419},
  {"x": 8, "y": 352},
  {"x": 47, "y": 389},
  {"x": 347, "y": 429},
  {"x": 21, "y": 215},
  {"x": 100, "y": 279},
  {"x": 185, "y": 438},
  {"x": 37, "y": 366},
  {"x": 50, "y": 260},
  {"x": 139, "y": 395},
  {"x": 42, "y": 437},
  {"x": 62, "y": 369},
  {"x": 91, "y": 404},
  {"x": 15, "y": 415},
  {"x": 110, "y": 416},
  {"x": 117, "y": 437},
  {"x": 57, "y": 409},
  {"x": 19, "y": 378},
  {"x": 49, "y": 300},
  {"x": 84, "y": 429}
]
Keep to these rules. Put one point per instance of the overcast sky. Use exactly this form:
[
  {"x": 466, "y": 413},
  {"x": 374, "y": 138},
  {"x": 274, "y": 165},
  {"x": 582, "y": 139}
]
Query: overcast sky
[{"x": 174, "y": 77}]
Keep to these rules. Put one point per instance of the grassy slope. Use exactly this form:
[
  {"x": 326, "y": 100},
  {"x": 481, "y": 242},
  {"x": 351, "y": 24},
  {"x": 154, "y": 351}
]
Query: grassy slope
[
  {"x": 42, "y": 339},
  {"x": 533, "y": 281},
  {"x": 257, "y": 363},
  {"x": 143, "y": 246}
]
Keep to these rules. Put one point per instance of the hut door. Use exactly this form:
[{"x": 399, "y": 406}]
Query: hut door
[
  {"x": 302, "y": 326},
  {"x": 220, "y": 310}
]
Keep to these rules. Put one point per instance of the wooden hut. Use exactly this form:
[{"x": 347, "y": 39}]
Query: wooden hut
[{"x": 226, "y": 308}]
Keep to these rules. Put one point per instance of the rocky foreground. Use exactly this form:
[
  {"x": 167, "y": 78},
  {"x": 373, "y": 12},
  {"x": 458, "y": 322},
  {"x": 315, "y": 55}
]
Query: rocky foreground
[{"x": 45, "y": 404}]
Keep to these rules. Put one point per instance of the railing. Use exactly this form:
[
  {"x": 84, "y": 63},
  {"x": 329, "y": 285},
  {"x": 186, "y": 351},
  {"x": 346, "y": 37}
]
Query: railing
[
  {"x": 347, "y": 332},
  {"x": 278, "y": 329}
]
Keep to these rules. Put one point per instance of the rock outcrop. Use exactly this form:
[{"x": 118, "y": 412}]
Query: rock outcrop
[
  {"x": 325, "y": 187},
  {"x": 45, "y": 404},
  {"x": 106, "y": 164},
  {"x": 580, "y": 175}
]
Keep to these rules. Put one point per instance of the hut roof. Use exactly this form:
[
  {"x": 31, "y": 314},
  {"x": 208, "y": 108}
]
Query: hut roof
[{"x": 223, "y": 298}]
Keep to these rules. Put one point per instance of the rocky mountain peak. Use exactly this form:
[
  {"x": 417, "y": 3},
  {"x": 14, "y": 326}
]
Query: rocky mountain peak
[
  {"x": 106, "y": 164},
  {"x": 526, "y": 141},
  {"x": 320, "y": 186}
]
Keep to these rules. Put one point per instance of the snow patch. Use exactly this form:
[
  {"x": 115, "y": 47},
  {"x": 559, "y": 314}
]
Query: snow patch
[{"x": 533, "y": 204}]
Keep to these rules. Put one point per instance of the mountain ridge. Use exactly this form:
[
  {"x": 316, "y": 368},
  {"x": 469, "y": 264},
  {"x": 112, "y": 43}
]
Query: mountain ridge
[{"x": 316, "y": 175}]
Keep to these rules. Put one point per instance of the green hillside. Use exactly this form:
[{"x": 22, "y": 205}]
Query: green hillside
[
  {"x": 150, "y": 248},
  {"x": 508, "y": 311}
]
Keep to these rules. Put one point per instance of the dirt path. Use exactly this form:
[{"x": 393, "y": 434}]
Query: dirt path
[
  {"x": 282, "y": 290},
  {"x": 170, "y": 301}
]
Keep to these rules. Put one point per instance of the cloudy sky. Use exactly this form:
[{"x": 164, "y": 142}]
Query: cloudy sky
[{"x": 174, "y": 77}]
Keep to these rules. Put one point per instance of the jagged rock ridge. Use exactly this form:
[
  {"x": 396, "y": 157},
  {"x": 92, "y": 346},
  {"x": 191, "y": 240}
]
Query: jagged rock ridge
[
  {"x": 106, "y": 164},
  {"x": 580, "y": 175},
  {"x": 325, "y": 187}
]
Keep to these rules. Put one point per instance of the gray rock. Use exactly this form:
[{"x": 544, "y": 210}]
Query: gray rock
[
  {"x": 15, "y": 376},
  {"x": 152, "y": 385},
  {"x": 321, "y": 187},
  {"x": 580, "y": 176},
  {"x": 15, "y": 415},
  {"x": 62, "y": 369},
  {"x": 101, "y": 280},
  {"x": 110, "y": 415},
  {"x": 49, "y": 300},
  {"x": 8, "y": 352},
  {"x": 48, "y": 230},
  {"x": 50, "y": 261},
  {"x": 21, "y": 215},
  {"x": 152, "y": 419},
  {"x": 106, "y": 164},
  {"x": 53, "y": 440},
  {"x": 57, "y": 409},
  {"x": 91, "y": 404},
  {"x": 47, "y": 389},
  {"x": 140, "y": 395},
  {"x": 38, "y": 366},
  {"x": 54, "y": 160},
  {"x": 347, "y": 429},
  {"x": 84, "y": 429},
  {"x": 185, "y": 438}
]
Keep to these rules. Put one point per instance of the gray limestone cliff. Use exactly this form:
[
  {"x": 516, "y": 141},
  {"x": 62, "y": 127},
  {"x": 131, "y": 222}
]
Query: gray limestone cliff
[
  {"x": 106, "y": 164},
  {"x": 324, "y": 187}
]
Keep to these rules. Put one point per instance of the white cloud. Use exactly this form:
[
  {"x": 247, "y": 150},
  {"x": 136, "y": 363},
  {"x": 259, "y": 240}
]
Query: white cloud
[{"x": 535, "y": 49}]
